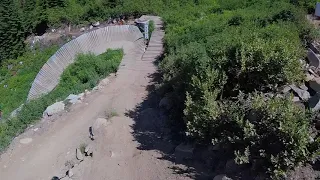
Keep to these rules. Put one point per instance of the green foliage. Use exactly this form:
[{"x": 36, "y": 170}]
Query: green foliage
[
  {"x": 217, "y": 55},
  {"x": 11, "y": 31},
  {"x": 16, "y": 76},
  {"x": 83, "y": 74}
]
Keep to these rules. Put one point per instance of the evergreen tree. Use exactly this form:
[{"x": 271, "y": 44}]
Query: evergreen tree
[
  {"x": 30, "y": 18},
  {"x": 11, "y": 30}
]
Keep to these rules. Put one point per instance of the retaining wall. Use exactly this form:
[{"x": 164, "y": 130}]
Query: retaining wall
[{"x": 127, "y": 37}]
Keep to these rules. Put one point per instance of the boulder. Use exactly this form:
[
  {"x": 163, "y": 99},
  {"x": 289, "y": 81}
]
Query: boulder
[
  {"x": 73, "y": 99},
  {"x": 313, "y": 59},
  {"x": 315, "y": 84},
  {"x": 166, "y": 103},
  {"x": 79, "y": 154},
  {"x": 96, "y": 24},
  {"x": 221, "y": 177},
  {"x": 314, "y": 48},
  {"x": 183, "y": 151},
  {"x": 232, "y": 167},
  {"x": 88, "y": 150},
  {"x": 303, "y": 94},
  {"x": 314, "y": 102},
  {"x": 70, "y": 173},
  {"x": 54, "y": 108}
]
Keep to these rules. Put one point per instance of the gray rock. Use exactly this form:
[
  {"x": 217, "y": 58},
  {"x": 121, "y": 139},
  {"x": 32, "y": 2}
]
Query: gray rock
[
  {"x": 54, "y": 108},
  {"x": 96, "y": 24},
  {"x": 315, "y": 84},
  {"x": 166, "y": 103},
  {"x": 184, "y": 151},
  {"x": 79, "y": 154},
  {"x": 303, "y": 87},
  {"x": 16, "y": 111},
  {"x": 303, "y": 94},
  {"x": 233, "y": 167},
  {"x": 314, "y": 48},
  {"x": 296, "y": 99},
  {"x": 313, "y": 59},
  {"x": 73, "y": 99},
  {"x": 221, "y": 177},
  {"x": 88, "y": 151},
  {"x": 286, "y": 89},
  {"x": 70, "y": 173},
  {"x": 314, "y": 102}
]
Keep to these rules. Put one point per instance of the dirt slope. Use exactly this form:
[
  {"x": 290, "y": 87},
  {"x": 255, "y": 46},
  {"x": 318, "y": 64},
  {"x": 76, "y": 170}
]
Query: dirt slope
[{"x": 116, "y": 152}]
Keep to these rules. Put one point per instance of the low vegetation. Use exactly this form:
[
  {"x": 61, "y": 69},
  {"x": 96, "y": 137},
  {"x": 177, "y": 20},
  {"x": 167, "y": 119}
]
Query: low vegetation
[
  {"x": 85, "y": 73},
  {"x": 221, "y": 57}
]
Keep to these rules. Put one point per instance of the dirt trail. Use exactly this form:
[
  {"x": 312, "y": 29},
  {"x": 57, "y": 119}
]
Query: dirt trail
[{"x": 116, "y": 152}]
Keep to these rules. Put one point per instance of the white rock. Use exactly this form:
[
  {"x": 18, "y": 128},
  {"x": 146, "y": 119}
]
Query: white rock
[
  {"x": 79, "y": 154},
  {"x": 96, "y": 24},
  {"x": 70, "y": 173},
  {"x": 91, "y": 27},
  {"x": 82, "y": 29},
  {"x": 221, "y": 177},
  {"x": 74, "y": 99},
  {"x": 88, "y": 150},
  {"x": 25, "y": 140},
  {"x": 54, "y": 108}
]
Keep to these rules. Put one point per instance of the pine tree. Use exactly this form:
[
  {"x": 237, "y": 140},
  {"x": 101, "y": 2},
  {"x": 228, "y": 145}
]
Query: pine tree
[
  {"x": 11, "y": 30},
  {"x": 30, "y": 18}
]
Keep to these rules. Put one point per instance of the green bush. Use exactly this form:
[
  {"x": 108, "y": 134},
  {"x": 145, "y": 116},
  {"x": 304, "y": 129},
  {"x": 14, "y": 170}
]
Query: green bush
[
  {"x": 85, "y": 73},
  {"x": 220, "y": 51}
]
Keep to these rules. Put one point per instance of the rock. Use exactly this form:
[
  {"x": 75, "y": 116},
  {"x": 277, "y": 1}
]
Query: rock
[
  {"x": 309, "y": 77},
  {"x": 82, "y": 29},
  {"x": 79, "y": 154},
  {"x": 303, "y": 87},
  {"x": 70, "y": 173},
  {"x": 296, "y": 99},
  {"x": 313, "y": 59},
  {"x": 184, "y": 151},
  {"x": 73, "y": 99},
  {"x": 166, "y": 103},
  {"x": 286, "y": 89},
  {"x": 25, "y": 140},
  {"x": 88, "y": 150},
  {"x": 221, "y": 177},
  {"x": 232, "y": 167},
  {"x": 95, "y": 88},
  {"x": 314, "y": 102},
  {"x": 54, "y": 108},
  {"x": 303, "y": 94},
  {"x": 96, "y": 24},
  {"x": 315, "y": 84},
  {"x": 314, "y": 48},
  {"x": 91, "y": 27},
  {"x": 16, "y": 111}
]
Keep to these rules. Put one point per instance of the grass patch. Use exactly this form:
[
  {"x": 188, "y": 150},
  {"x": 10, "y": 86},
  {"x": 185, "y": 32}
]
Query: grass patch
[
  {"x": 17, "y": 75},
  {"x": 110, "y": 114},
  {"x": 85, "y": 73},
  {"x": 82, "y": 147}
]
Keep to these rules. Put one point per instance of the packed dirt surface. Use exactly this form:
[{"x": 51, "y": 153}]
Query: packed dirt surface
[{"x": 121, "y": 145}]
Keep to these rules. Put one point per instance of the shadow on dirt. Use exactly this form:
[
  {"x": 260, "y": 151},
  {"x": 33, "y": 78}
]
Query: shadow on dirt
[{"x": 153, "y": 131}]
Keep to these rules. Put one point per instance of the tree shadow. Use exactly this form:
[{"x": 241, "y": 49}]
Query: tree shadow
[{"x": 153, "y": 131}]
